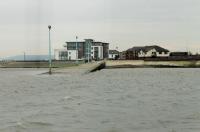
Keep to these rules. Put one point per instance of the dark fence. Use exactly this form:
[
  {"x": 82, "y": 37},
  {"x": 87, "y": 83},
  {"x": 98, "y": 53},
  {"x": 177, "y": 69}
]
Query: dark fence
[
  {"x": 171, "y": 58},
  {"x": 174, "y": 58}
]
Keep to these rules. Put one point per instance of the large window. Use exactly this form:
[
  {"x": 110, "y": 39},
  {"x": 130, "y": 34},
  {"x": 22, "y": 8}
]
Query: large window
[{"x": 63, "y": 55}]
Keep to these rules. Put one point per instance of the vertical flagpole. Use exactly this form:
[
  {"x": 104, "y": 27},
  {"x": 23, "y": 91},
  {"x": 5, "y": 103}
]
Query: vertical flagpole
[{"x": 50, "y": 62}]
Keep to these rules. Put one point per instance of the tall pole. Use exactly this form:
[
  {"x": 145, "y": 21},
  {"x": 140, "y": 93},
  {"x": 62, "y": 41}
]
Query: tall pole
[
  {"x": 76, "y": 50},
  {"x": 24, "y": 56},
  {"x": 50, "y": 62},
  {"x": 88, "y": 53}
]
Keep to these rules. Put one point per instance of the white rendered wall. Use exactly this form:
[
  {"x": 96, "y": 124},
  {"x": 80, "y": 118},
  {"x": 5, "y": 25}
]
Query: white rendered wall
[
  {"x": 72, "y": 54},
  {"x": 100, "y": 51},
  {"x": 163, "y": 54},
  {"x": 57, "y": 52},
  {"x": 149, "y": 54},
  {"x": 141, "y": 54},
  {"x": 112, "y": 56}
]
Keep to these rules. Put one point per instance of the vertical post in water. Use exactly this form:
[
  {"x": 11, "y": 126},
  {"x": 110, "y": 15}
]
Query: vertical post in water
[
  {"x": 50, "y": 51},
  {"x": 88, "y": 53},
  {"x": 76, "y": 50}
]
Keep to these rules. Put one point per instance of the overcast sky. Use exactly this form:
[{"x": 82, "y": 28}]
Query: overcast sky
[{"x": 173, "y": 24}]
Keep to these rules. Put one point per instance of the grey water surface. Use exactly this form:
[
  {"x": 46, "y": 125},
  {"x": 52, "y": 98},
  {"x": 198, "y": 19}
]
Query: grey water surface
[{"x": 110, "y": 100}]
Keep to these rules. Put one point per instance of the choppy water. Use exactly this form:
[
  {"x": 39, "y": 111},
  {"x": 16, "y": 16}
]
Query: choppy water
[{"x": 120, "y": 100}]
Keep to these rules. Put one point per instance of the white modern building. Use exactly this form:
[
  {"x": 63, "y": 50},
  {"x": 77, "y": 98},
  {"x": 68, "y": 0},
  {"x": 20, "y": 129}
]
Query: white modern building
[
  {"x": 60, "y": 54},
  {"x": 97, "y": 52},
  {"x": 83, "y": 50},
  {"x": 72, "y": 55},
  {"x": 64, "y": 54}
]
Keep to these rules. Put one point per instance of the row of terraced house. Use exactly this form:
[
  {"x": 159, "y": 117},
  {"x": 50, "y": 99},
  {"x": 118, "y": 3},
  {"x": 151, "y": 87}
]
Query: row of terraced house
[{"x": 145, "y": 52}]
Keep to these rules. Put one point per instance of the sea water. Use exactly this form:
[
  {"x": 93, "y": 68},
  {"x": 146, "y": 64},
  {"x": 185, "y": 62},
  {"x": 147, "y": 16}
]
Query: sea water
[{"x": 110, "y": 100}]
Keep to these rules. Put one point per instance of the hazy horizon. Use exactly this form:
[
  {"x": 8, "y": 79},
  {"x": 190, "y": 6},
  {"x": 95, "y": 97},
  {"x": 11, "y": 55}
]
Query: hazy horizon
[{"x": 173, "y": 24}]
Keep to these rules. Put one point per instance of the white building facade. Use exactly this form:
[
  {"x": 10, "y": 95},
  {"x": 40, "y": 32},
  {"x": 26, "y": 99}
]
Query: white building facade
[
  {"x": 60, "y": 54},
  {"x": 84, "y": 50},
  {"x": 113, "y": 54},
  {"x": 97, "y": 52},
  {"x": 72, "y": 55},
  {"x": 152, "y": 53},
  {"x": 64, "y": 54}
]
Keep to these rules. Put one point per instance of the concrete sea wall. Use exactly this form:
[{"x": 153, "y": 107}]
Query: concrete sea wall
[
  {"x": 36, "y": 64},
  {"x": 142, "y": 63},
  {"x": 97, "y": 66}
]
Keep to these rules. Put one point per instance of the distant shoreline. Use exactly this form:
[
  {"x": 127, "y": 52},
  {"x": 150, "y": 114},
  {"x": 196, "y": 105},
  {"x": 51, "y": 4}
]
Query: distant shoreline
[
  {"x": 152, "y": 64},
  {"x": 109, "y": 64}
]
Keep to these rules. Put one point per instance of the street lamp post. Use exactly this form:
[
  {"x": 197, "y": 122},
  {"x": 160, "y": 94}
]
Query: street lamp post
[
  {"x": 76, "y": 50},
  {"x": 88, "y": 53},
  {"x": 50, "y": 62}
]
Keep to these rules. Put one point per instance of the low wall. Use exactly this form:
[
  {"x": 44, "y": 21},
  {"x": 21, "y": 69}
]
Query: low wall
[
  {"x": 142, "y": 63},
  {"x": 36, "y": 64}
]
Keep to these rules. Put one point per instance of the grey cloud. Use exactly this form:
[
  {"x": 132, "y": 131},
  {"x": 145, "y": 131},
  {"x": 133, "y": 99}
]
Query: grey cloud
[{"x": 120, "y": 22}]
